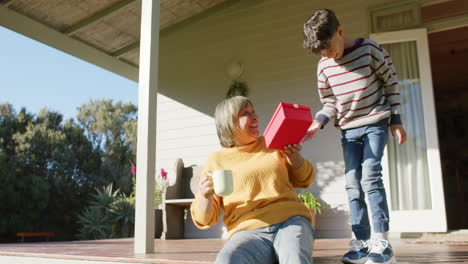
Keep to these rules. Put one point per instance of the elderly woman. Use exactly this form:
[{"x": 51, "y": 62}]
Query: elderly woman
[{"x": 266, "y": 221}]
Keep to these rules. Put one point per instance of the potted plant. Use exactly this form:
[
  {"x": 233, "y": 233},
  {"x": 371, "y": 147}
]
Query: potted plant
[
  {"x": 313, "y": 203},
  {"x": 237, "y": 88}
]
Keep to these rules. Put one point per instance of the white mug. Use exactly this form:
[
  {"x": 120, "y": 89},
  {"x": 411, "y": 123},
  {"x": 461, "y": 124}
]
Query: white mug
[{"x": 222, "y": 182}]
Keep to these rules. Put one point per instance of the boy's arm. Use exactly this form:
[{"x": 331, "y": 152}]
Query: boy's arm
[
  {"x": 328, "y": 99},
  {"x": 385, "y": 71},
  {"x": 329, "y": 109}
]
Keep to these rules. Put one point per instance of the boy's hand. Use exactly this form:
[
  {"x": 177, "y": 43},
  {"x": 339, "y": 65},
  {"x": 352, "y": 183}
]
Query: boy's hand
[
  {"x": 312, "y": 132},
  {"x": 205, "y": 188},
  {"x": 292, "y": 155},
  {"x": 398, "y": 130}
]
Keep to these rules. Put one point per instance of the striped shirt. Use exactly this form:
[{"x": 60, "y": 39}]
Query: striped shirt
[{"x": 360, "y": 88}]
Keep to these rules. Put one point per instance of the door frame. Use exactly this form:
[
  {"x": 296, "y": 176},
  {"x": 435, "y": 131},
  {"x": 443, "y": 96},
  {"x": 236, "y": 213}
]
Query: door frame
[{"x": 433, "y": 220}]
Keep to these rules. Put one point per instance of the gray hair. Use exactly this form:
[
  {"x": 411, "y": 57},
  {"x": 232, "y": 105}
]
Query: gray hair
[{"x": 226, "y": 119}]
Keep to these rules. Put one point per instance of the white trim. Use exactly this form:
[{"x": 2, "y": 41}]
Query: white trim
[
  {"x": 147, "y": 120},
  {"x": 37, "y": 31},
  {"x": 433, "y": 220}
]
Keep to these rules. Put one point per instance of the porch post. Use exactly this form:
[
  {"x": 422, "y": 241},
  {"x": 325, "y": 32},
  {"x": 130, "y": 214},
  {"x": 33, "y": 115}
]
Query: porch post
[{"x": 146, "y": 143}]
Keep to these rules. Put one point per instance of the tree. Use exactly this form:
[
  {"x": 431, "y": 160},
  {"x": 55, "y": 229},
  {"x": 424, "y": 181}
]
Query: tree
[
  {"x": 24, "y": 195},
  {"x": 112, "y": 129},
  {"x": 49, "y": 167},
  {"x": 47, "y": 171}
]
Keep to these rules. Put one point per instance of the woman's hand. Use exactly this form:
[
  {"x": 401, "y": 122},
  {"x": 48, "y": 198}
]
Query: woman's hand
[
  {"x": 292, "y": 155},
  {"x": 205, "y": 193},
  {"x": 205, "y": 187}
]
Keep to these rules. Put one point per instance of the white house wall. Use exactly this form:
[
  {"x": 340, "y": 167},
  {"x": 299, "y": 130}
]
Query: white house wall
[
  {"x": 266, "y": 36},
  {"x": 183, "y": 132}
]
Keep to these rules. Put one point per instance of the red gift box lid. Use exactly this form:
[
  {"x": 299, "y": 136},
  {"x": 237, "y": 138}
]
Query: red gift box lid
[{"x": 288, "y": 125}]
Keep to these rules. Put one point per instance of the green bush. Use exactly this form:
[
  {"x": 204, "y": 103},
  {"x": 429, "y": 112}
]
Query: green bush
[
  {"x": 111, "y": 214},
  {"x": 94, "y": 224},
  {"x": 123, "y": 211}
]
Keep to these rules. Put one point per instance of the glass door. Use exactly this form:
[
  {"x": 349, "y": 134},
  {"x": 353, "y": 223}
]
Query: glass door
[{"x": 412, "y": 171}]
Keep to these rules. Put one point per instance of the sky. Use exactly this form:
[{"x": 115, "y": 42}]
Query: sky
[{"x": 34, "y": 76}]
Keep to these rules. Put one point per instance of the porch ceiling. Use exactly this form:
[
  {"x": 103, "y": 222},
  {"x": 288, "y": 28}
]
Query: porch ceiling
[{"x": 102, "y": 32}]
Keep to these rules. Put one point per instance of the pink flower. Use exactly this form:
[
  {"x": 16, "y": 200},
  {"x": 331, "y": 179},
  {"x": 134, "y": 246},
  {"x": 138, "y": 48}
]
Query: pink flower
[
  {"x": 163, "y": 174},
  {"x": 133, "y": 170}
]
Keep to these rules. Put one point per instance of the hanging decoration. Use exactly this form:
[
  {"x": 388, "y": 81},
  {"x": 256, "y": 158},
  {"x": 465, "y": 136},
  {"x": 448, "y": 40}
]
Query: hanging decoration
[{"x": 237, "y": 88}]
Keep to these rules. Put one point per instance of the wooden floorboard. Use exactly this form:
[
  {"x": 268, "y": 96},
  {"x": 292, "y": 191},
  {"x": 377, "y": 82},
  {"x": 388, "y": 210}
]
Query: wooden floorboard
[{"x": 204, "y": 251}]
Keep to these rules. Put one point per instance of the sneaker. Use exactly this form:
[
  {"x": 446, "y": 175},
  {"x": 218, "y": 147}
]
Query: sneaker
[
  {"x": 358, "y": 252},
  {"x": 380, "y": 252}
]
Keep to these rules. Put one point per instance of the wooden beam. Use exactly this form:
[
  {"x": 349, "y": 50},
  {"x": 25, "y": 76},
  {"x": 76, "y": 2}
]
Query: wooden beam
[
  {"x": 7, "y": 3},
  {"x": 447, "y": 23},
  {"x": 120, "y": 52},
  {"x": 147, "y": 119},
  {"x": 37, "y": 31},
  {"x": 97, "y": 17}
]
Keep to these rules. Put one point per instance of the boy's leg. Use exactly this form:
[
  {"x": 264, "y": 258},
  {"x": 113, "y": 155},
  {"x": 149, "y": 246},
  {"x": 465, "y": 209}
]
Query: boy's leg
[
  {"x": 353, "y": 156},
  {"x": 294, "y": 241},
  {"x": 380, "y": 251},
  {"x": 371, "y": 182},
  {"x": 248, "y": 246}
]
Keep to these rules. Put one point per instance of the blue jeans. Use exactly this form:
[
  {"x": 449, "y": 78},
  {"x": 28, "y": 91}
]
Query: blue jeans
[
  {"x": 291, "y": 241},
  {"x": 363, "y": 150}
]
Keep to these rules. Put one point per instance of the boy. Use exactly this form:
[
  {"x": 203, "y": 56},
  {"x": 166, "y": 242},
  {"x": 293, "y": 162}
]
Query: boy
[{"x": 357, "y": 85}]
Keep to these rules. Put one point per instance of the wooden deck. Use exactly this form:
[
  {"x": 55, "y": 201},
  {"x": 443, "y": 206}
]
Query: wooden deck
[{"x": 197, "y": 251}]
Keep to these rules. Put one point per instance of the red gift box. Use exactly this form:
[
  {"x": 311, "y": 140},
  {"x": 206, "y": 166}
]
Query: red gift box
[{"x": 288, "y": 125}]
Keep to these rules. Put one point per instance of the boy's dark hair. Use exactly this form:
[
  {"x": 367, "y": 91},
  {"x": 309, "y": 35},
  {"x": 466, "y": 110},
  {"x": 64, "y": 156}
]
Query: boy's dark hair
[{"x": 319, "y": 29}]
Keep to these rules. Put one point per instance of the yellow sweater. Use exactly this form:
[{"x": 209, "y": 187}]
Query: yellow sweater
[{"x": 263, "y": 188}]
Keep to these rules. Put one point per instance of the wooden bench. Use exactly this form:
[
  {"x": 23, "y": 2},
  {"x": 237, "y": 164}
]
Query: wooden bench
[
  {"x": 47, "y": 235},
  {"x": 180, "y": 202},
  {"x": 177, "y": 200}
]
